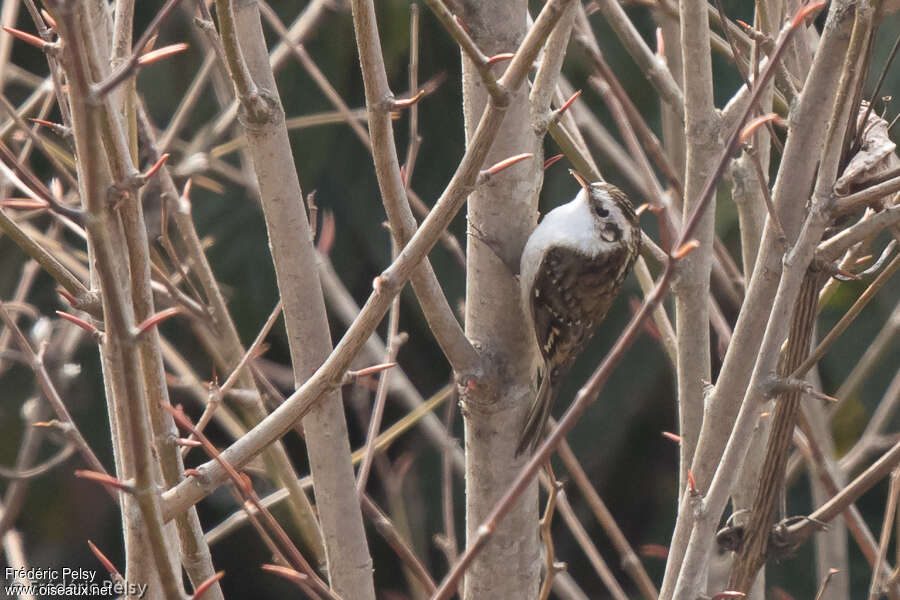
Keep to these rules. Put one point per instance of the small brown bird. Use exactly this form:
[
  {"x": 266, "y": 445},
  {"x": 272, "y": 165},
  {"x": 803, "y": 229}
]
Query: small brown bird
[{"x": 572, "y": 268}]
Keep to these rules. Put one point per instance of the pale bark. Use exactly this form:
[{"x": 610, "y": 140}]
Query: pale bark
[
  {"x": 504, "y": 213},
  {"x": 262, "y": 117}
]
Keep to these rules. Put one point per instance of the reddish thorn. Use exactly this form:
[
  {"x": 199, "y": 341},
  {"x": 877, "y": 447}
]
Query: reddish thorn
[
  {"x": 403, "y": 175},
  {"x": 286, "y": 572},
  {"x": 685, "y": 249},
  {"x": 101, "y": 478},
  {"x": 805, "y": 11},
  {"x": 78, "y": 321},
  {"x": 187, "y": 442},
  {"x": 660, "y": 43},
  {"x": 691, "y": 483},
  {"x": 375, "y": 369},
  {"x": 186, "y": 192},
  {"x": 755, "y": 124},
  {"x": 406, "y": 103},
  {"x": 191, "y": 473},
  {"x": 654, "y": 551},
  {"x": 376, "y": 283},
  {"x": 552, "y": 161},
  {"x": 640, "y": 209},
  {"x": 327, "y": 233},
  {"x": 508, "y": 162},
  {"x": 50, "y": 20},
  {"x": 568, "y": 103},
  {"x": 158, "y": 318},
  {"x": 833, "y": 571},
  {"x": 204, "y": 587},
  {"x": 26, "y": 37},
  {"x": 69, "y": 297},
  {"x": 863, "y": 259},
  {"x": 765, "y": 415},
  {"x": 500, "y": 58},
  {"x": 107, "y": 564},
  {"x": 463, "y": 25},
  {"x": 156, "y": 166},
  {"x": 579, "y": 178},
  {"x": 743, "y": 24},
  {"x": 151, "y": 43},
  {"x": 728, "y": 594},
  {"x": 672, "y": 436},
  {"x": 161, "y": 53},
  {"x": 44, "y": 122},
  {"x": 23, "y": 203}
]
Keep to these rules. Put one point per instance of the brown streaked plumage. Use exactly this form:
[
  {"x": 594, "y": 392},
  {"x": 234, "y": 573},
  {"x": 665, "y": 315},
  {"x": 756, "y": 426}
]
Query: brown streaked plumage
[{"x": 572, "y": 268}]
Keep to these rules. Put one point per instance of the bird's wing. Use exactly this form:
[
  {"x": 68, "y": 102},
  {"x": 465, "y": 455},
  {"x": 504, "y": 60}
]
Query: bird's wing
[{"x": 565, "y": 320}]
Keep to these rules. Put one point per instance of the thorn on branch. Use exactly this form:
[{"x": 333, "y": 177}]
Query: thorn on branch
[
  {"x": 60, "y": 130},
  {"x": 807, "y": 11},
  {"x": 758, "y": 122},
  {"x": 104, "y": 479},
  {"x": 161, "y": 53},
  {"x": 500, "y": 58},
  {"x": 503, "y": 164},
  {"x": 674, "y": 437},
  {"x": 157, "y": 319},
  {"x": 557, "y": 114},
  {"x": 78, "y": 321},
  {"x": 286, "y": 573},
  {"x": 685, "y": 249},
  {"x": 352, "y": 376},
  {"x": 406, "y": 103},
  {"x": 204, "y": 587},
  {"x": 31, "y": 39},
  {"x": 553, "y": 160},
  {"x": 155, "y": 168},
  {"x": 51, "y": 22},
  {"x": 107, "y": 564}
]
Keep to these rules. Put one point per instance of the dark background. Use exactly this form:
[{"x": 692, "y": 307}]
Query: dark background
[{"x": 619, "y": 440}]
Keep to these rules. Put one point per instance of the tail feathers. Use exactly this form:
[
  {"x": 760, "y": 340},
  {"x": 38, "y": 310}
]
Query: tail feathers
[{"x": 538, "y": 415}]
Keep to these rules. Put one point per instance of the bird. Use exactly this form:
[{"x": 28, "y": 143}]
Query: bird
[{"x": 572, "y": 268}]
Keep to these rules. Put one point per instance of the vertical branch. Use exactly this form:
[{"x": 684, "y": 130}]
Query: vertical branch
[
  {"x": 691, "y": 286},
  {"x": 796, "y": 176},
  {"x": 122, "y": 361},
  {"x": 755, "y": 548},
  {"x": 262, "y": 117},
  {"x": 504, "y": 214}
]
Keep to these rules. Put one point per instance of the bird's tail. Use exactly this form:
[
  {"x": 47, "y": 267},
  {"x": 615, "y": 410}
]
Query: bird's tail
[{"x": 538, "y": 415}]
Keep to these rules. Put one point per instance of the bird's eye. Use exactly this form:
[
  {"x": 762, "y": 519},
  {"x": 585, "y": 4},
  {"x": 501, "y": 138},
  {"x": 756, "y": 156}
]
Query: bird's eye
[{"x": 600, "y": 211}]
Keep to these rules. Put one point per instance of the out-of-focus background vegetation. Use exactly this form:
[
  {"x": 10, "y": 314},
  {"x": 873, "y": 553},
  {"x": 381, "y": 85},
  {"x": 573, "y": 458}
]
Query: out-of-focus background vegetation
[{"x": 619, "y": 440}]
